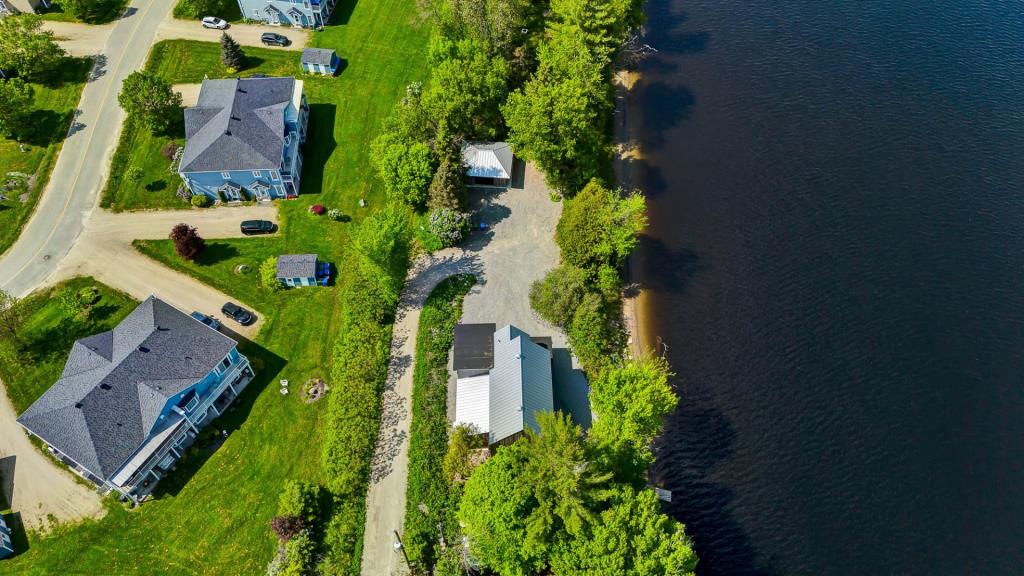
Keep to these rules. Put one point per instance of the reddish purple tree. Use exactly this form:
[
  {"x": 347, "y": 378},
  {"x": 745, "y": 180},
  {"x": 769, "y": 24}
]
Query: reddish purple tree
[
  {"x": 187, "y": 242},
  {"x": 286, "y": 526}
]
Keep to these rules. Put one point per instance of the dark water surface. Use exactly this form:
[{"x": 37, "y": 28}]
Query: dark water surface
[{"x": 836, "y": 264}]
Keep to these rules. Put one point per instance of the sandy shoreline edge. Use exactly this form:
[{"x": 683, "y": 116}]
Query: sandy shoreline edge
[{"x": 626, "y": 151}]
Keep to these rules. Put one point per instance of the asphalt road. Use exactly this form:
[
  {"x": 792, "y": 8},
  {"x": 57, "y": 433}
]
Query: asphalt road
[{"x": 81, "y": 167}]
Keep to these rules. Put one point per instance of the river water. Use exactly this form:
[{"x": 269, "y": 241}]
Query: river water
[{"x": 835, "y": 263}]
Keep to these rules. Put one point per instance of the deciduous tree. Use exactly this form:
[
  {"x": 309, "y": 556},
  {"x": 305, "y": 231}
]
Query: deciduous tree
[
  {"x": 16, "y": 99},
  {"x": 558, "y": 119},
  {"x": 26, "y": 48},
  {"x": 466, "y": 90},
  {"x": 12, "y": 317},
  {"x": 268, "y": 274},
  {"x": 557, "y": 296},
  {"x": 600, "y": 227},
  {"x": 147, "y": 96},
  {"x": 187, "y": 242},
  {"x": 631, "y": 401}
]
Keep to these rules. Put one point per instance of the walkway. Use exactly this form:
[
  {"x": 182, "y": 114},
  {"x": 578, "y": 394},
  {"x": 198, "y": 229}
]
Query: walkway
[
  {"x": 105, "y": 252},
  {"x": 80, "y": 170},
  {"x": 518, "y": 249}
]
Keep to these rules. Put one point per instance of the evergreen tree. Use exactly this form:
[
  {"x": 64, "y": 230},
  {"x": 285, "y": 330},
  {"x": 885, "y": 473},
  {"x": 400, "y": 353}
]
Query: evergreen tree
[{"x": 231, "y": 54}]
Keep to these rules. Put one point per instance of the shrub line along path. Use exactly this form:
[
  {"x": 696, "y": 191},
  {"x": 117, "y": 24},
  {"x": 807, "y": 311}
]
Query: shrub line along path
[{"x": 80, "y": 169}]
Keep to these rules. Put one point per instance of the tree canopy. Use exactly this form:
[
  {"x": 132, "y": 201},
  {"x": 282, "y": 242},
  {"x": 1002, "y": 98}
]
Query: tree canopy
[
  {"x": 558, "y": 119},
  {"x": 557, "y": 296},
  {"x": 600, "y": 227},
  {"x": 16, "y": 98},
  {"x": 466, "y": 90},
  {"x": 187, "y": 242},
  {"x": 147, "y": 96},
  {"x": 26, "y": 48},
  {"x": 231, "y": 54},
  {"x": 603, "y": 24}
]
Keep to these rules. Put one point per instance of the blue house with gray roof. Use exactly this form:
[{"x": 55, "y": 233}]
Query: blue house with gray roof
[
  {"x": 294, "y": 13},
  {"x": 244, "y": 139},
  {"x": 132, "y": 399}
]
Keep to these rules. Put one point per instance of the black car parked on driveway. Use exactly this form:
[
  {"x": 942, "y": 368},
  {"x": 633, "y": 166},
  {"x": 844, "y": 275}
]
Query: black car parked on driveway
[
  {"x": 238, "y": 314},
  {"x": 272, "y": 39},
  {"x": 257, "y": 227}
]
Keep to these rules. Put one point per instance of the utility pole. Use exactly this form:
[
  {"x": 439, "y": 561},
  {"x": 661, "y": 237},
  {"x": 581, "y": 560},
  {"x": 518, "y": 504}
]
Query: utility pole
[{"x": 401, "y": 547}]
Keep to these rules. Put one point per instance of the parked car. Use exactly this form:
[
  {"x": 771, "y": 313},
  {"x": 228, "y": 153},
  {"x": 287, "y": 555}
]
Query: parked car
[
  {"x": 206, "y": 319},
  {"x": 214, "y": 22},
  {"x": 258, "y": 227},
  {"x": 272, "y": 39},
  {"x": 237, "y": 313}
]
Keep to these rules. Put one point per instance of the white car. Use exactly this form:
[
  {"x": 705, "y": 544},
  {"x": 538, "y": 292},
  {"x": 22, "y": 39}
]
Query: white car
[{"x": 213, "y": 22}]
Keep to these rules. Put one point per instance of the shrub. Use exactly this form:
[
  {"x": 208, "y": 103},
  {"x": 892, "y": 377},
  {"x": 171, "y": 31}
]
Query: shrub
[
  {"x": 187, "y": 242},
  {"x": 335, "y": 214},
  {"x": 89, "y": 295},
  {"x": 170, "y": 150},
  {"x": 300, "y": 552},
  {"x": 557, "y": 296},
  {"x": 268, "y": 274},
  {"x": 448, "y": 226},
  {"x": 300, "y": 500},
  {"x": 201, "y": 201},
  {"x": 285, "y": 527},
  {"x": 134, "y": 174},
  {"x": 317, "y": 209}
]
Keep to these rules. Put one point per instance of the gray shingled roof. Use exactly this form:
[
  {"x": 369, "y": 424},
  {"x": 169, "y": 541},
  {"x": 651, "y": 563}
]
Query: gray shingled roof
[
  {"x": 296, "y": 266},
  {"x": 237, "y": 124},
  {"x": 115, "y": 384},
  {"x": 317, "y": 56}
]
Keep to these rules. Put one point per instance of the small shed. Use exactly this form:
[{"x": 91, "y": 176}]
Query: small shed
[
  {"x": 320, "y": 61},
  {"x": 6, "y": 546},
  {"x": 488, "y": 163},
  {"x": 302, "y": 270}
]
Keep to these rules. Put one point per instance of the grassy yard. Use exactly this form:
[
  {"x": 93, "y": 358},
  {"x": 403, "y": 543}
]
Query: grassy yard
[
  {"x": 212, "y": 515},
  {"x": 28, "y": 370},
  {"x": 179, "y": 62},
  {"x": 55, "y": 102},
  {"x": 101, "y": 12}
]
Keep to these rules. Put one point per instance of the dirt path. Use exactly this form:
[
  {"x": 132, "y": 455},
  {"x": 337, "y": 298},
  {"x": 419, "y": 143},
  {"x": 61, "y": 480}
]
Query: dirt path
[
  {"x": 80, "y": 39},
  {"x": 41, "y": 490},
  {"x": 105, "y": 252},
  {"x": 244, "y": 34}
]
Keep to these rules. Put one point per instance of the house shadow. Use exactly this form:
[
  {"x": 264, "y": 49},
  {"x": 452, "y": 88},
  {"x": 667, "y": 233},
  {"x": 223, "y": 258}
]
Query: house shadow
[
  {"x": 342, "y": 12},
  {"x": 267, "y": 367},
  {"x": 7, "y": 481},
  {"x": 570, "y": 388},
  {"x": 518, "y": 181},
  {"x": 19, "y": 535},
  {"x": 217, "y": 252},
  {"x": 319, "y": 146}
]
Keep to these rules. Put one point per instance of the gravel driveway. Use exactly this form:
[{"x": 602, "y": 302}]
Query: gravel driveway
[{"x": 244, "y": 34}]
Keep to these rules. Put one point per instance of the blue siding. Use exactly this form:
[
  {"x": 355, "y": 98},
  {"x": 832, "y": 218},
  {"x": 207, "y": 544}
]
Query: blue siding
[
  {"x": 208, "y": 183},
  {"x": 202, "y": 388},
  {"x": 301, "y": 13}
]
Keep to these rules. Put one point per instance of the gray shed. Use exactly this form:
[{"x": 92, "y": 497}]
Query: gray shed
[
  {"x": 320, "y": 61},
  {"x": 299, "y": 269}
]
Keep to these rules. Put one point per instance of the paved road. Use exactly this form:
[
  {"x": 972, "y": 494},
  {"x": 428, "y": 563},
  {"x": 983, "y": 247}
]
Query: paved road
[
  {"x": 80, "y": 170},
  {"x": 80, "y": 39},
  {"x": 518, "y": 249},
  {"x": 244, "y": 34},
  {"x": 40, "y": 489},
  {"x": 105, "y": 252}
]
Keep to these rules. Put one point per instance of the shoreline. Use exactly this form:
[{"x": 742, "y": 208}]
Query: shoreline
[{"x": 634, "y": 300}]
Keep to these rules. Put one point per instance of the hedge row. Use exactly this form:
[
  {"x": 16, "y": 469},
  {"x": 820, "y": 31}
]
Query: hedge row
[
  {"x": 428, "y": 502},
  {"x": 375, "y": 266}
]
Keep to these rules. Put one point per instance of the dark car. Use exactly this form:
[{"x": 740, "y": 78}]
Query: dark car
[
  {"x": 238, "y": 314},
  {"x": 271, "y": 39},
  {"x": 258, "y": 227},
  {"x": 206, "y": 319}
]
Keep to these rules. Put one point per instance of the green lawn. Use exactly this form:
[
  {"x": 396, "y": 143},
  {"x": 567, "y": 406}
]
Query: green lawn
[
  {"x": 179, "y": 62},
  {"x": 27, "y": 370},
  {"x": 55, "y": 104},
  {"x": 102, "y": 12},
  {"x": 212, "y": 517}
]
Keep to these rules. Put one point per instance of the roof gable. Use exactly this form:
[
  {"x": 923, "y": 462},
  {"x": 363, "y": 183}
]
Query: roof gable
[
  {"x": 520, "y": 383},
  {"x": 101, "y": 415},
  {"x": 488, "y": 159}
]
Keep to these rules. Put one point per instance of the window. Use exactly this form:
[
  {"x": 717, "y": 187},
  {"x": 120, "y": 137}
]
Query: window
[
  {"x": 225, "y": 363},
  {"x": 192, "y": 404},
  {"x": 225, "y": 174},
  {"x": 166, "y": 462},
  {"x": 256, "y": 173},
  {"x": 273, "y": 175},
  {"x": 256, "y": 12},
  {"x": 280, "y": 189}
]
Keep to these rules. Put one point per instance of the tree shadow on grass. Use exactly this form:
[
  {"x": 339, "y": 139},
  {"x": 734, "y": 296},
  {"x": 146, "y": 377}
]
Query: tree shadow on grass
[
  {"x": 217, "y": 252},
  {"x": 156, "y": 185},
  {"x": 267, "y": 366},
  {"x": 320, "y": 144},
  {"x": 48, "y": 127},
  {"x": 253, "y": 62},
  {"x": 70, "y": 69}
]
